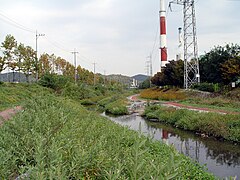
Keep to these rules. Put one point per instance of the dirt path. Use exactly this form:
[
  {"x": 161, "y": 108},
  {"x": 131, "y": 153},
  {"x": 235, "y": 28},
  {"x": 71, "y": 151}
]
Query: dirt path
[
  {"x": 8, "y": 113},
  {"x": 200, "y": 109},
  {"x": 135, "y": 98}
]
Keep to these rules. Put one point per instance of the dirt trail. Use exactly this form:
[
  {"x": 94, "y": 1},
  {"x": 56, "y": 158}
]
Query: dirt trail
[
  {"x": 135, "y": 98},
  {"x": 8, "y": 113}
]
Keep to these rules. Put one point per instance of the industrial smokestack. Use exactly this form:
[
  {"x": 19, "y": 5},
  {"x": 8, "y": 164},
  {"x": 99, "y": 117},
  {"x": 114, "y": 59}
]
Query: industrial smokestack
[
  {"x": 180, "y": 35},
  {"x": 163, "y": 38},
  {"x": 180, "y": 44}
]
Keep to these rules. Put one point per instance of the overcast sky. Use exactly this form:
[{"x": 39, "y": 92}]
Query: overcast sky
[{"x": 116, "y": 34}]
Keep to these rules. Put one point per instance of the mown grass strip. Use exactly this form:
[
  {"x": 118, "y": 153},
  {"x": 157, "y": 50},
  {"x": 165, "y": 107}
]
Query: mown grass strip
[{"x": 57, "y": 138}]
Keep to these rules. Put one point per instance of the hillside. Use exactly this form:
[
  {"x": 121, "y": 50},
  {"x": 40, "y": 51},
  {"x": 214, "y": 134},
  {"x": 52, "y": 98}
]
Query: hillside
[
  {"x": 16, "y": 94},
  {"x": 140, "y": 77}
]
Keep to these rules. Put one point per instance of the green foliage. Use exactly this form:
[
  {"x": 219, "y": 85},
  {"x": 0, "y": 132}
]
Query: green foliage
[
  {"x": 145, "y": 84},
  {"x": 16, "y": 94},
  {"x": 56, "y": 138},
  {"x": 53, "y": 81},
  {"x": 78, "y": 92},
  {"x": 117, "y": 108},
  {"x": 216, "y": 63},
  {"x": 172, "y": 75},
  {"x": 213, "y": 124},
  {"x": 209, "y": 87}
]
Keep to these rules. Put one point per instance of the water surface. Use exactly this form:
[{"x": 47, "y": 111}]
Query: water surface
[{"x": 220, "y": 157}]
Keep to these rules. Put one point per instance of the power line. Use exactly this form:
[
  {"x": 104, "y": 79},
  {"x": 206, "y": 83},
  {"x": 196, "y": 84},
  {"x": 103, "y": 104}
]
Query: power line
[
  {"x": 15, "y": 24},
  {"x": 57, "y": 45},
  {"x": 155, "y": 40}
]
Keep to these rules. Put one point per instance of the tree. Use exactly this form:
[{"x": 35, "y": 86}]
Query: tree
[
  {"x": 44, "y": 64},
  {"x": 231, "y": 70},
  {"x": 158, "y": 79},
  {"x": 28, "y": 65},
  {"x": 172, "y": 74},
  {"x": 19, "y": 53},
  {"x": 210, "y": 64},
  {"x": 145, "y": 84},
  {"x": 2, "y": 64},
  {"x": 60, "y": 64},
  {"x": 69, "y": 70},
  {"x": 9, "y": 46}
]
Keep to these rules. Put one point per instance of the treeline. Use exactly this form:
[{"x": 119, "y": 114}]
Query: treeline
[
  {"x": 20, "y": 58},
  {"x": 220, "y": 65}
]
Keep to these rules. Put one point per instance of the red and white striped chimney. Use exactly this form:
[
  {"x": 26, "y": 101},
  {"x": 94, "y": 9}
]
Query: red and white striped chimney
[{"x": 163, "y": 38}]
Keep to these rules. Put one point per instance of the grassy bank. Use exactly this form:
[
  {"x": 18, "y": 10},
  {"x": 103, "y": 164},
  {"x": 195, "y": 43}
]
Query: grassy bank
[
  {"x": 228, "y": 102},
  {"x": 12, "y": 94},
  {"x": 56, "y": 138},
  {"x": 212, "y": 124},
  {"x": 115, "y": 104}
]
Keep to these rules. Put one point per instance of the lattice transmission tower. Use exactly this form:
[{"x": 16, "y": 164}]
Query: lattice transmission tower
[{"x": 191, "y": 63}]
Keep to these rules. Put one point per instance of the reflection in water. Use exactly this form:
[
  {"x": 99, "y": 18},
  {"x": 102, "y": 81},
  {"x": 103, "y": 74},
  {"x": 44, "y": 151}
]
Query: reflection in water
[{"x": 221, "y": 158}]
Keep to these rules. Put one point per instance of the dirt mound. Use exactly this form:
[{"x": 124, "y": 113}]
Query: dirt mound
[{"x": 7, "y": 114}]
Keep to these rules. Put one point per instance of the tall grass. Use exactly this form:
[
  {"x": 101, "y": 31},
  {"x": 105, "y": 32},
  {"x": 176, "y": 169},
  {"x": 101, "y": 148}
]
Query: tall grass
[
  {"x": 56, "y": 138},
  {"x": 213, "y": 124},
  {"x": 12, "y": 94}
]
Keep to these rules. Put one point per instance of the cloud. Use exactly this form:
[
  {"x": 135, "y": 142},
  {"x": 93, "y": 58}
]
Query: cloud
[{"x": 117, "y": 34}]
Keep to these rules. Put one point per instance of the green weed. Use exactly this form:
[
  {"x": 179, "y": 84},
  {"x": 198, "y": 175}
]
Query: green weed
[{"x": 56, "y": 138}]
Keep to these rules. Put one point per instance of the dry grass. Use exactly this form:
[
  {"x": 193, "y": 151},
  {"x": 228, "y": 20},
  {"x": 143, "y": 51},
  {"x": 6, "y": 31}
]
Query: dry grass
[{"x": 163, "y": 94}]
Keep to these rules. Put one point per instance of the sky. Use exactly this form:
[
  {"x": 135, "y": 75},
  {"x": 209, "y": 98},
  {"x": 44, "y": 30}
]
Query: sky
[{"x": 117, "y": 35}]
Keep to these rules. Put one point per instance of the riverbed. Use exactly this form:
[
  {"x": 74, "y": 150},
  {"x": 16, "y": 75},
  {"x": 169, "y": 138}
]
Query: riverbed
[{"x": 220, "y": 157}]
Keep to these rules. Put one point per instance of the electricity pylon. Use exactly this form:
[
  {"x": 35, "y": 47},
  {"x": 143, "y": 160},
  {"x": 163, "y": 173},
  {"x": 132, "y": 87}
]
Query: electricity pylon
[{"x": 191, "y": 63}]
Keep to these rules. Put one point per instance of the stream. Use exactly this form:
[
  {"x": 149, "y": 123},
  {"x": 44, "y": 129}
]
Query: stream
[{"x": 221, "y": 158}]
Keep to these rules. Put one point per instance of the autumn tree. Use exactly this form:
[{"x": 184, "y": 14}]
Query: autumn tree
[
  {"x": 28, "y": 65},
  {"x": 19, "y": 52},
  {"x": 9, "y": 46},
  {"x": 230, "y": 70},
  {"x": 2, "y": 64},
  {"x": 60, "y": 64}
]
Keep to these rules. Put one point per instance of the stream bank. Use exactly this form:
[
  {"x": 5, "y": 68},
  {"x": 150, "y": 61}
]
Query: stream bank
[{"x": 221, "y": 158}]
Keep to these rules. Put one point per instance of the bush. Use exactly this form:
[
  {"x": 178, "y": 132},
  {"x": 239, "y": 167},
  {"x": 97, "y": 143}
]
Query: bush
[
  {"x": 209, "y": 87},
  {"x": 116, "y": 108},
  {"x": 54, "y": 81},
  {"x": 78, "y": 92}
]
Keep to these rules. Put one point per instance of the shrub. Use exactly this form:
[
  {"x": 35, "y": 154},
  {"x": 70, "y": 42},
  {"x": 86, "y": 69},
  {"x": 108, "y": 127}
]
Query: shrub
[
  {"x": 116, "y": 108},
  {"x": 209, "y": 87},
  {"x": 54, "y": 81}
]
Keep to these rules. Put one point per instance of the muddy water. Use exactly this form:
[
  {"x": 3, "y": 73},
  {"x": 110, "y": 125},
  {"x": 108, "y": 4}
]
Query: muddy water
[{"x": 220, "y": 158}]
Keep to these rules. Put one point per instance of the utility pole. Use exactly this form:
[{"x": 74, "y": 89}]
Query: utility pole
[
  {"x": 75, "y": 65},
  {"x": 191, "y": 63},
  {"x": 104, "y": 78},
  {"x": 94, "y": 77},
  {"x": 150, "y": 68},
  {"x": 36, "y": 63}
]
